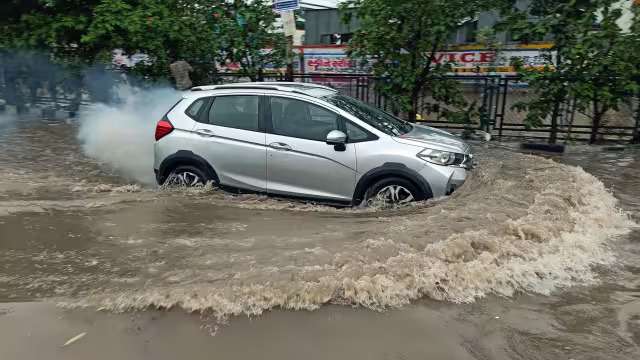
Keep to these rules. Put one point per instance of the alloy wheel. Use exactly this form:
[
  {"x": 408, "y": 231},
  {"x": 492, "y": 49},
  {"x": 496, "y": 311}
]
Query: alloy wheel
[
  {"x": 394, "y": 194},
  {"x": 184, "y": 178}
]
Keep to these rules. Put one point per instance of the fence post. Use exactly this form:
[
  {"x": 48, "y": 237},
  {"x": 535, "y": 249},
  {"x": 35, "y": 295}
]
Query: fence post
[
  {"x": 485, "y": 108},
  {"x": 492, "y": 109},
  {"x": 571, "y": 114},
  {"x": 636, "y": 129},
  {"x": 366, "y": 88},
  {"x": 503, "y": 110}
]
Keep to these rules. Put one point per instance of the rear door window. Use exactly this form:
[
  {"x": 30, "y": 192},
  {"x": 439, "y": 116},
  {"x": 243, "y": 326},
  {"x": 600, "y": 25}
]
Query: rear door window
[
  {"x": 300, "y": 119},
  {"x": 235, "y": 111}
]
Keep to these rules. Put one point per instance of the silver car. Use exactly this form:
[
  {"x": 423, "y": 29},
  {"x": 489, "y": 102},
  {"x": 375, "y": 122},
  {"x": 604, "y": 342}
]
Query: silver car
[{"x": 304, "y": 140}]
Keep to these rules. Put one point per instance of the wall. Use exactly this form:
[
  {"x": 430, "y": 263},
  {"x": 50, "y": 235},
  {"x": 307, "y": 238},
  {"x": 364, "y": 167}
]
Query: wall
[{"x": 321, "y": 22}]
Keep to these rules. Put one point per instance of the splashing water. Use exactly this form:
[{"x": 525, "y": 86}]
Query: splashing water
[
  {"x": 121, "y": 135},
  {"x": 522, "y": 224}
]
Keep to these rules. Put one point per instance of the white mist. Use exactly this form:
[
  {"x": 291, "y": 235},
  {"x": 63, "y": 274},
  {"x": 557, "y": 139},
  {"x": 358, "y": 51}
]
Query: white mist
[{"x": 121, "y": 135}]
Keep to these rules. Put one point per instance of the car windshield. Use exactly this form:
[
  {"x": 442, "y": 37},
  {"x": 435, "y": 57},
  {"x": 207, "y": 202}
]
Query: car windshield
[{"x": 379, "y": 119}]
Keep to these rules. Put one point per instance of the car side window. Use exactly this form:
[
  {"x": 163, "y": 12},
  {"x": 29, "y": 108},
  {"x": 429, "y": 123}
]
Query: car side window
[
  {"x": 235, "y": 111},
  {"x": 357, "y": 134},
  {"x": 300, "y": 119},
  {"x": 194, "y": 109}
]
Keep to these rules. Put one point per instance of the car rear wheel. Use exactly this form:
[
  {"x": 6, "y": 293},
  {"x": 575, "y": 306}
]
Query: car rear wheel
[
  {"x": 392, "y": 191},
  {"x": 187, "y": 176}
]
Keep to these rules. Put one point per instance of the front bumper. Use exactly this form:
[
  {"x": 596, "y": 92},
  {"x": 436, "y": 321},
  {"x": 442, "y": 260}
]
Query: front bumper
[
  {"x": 444, "y": 180},
  {"x": 456, "y": 180}
]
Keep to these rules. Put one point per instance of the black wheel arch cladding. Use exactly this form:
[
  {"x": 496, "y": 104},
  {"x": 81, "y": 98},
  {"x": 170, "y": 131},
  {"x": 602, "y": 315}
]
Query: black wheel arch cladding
[
  {"x": 391, "y": 170},
  {"x": 184, "y": 157}
]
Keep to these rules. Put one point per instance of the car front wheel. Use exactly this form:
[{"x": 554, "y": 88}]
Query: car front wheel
[{"x": 393, "y": 191}]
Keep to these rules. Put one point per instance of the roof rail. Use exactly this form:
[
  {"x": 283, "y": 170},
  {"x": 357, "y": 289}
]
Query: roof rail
[
  {"x": 298, "y": 84},
  {"x": 203, "y": 88},
  {"x": 282, "y": 86},
  {"x": 233, "y": 86}
]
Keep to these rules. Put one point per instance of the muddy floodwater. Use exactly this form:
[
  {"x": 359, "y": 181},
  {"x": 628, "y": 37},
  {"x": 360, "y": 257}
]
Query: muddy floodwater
[{"x": 533, "y": 258}]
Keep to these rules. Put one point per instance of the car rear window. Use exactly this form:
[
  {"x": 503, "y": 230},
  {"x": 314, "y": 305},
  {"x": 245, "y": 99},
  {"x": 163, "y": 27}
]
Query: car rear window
[
  {"x": 194, "y": 109},
  {"x": 235, "y": 111}
]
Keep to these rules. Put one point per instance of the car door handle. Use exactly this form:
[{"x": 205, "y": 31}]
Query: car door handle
[
  {"x": 280, "y": 146},
  {"x": 205, "y": 133}
]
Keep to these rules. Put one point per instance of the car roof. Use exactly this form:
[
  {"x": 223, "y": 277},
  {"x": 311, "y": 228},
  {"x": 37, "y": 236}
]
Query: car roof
[{"x": 313, "y": 90}]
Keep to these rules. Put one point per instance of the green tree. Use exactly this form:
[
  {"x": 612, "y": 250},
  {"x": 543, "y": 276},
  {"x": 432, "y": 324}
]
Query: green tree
[
  {"x": 565, "y": 21},
  {"x": 598, "y": 71},
  {"x": 165, "y": 30},
  {"x": 249, "y": 36},
  {"x": 34, "y": 32},
  {"x": 631, "y": 44},
  {"x": 201, "y": 32},
  {"x": 51, "y": 26},
  {"x": 586, "y": 55},
  {"x": 404, "y": 38},
  {"x": 83, "y": 33}
]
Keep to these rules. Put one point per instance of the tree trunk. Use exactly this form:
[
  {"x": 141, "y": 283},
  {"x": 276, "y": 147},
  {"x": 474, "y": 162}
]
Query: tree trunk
[
  {"x": 553, "y": 136},
  {"x": 572, "y": 108},
  {"x": 597, "y": 119},
  {"x": 636, "y": 130},
  {"x": 414, "y": 106}
]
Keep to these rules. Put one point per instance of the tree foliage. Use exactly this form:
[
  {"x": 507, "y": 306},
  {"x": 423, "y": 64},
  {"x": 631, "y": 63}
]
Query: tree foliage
[
  {"x": 403, "y": 38},
  {"x": 588, "y": 51},
  {"x": 51, "y": 26},
  {"x": 249, "y": 38},
  {"x": 631, "y": 55},
  {"x": 202, "y": 32},
  {"x": 165, "y": 30}
]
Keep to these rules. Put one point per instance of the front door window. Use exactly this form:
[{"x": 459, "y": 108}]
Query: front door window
[{"x": 299, "y": 119}]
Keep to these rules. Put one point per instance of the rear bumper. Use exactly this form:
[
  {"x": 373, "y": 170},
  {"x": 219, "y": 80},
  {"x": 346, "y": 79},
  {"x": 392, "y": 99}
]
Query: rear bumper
[{"x": 158, "y": 179}]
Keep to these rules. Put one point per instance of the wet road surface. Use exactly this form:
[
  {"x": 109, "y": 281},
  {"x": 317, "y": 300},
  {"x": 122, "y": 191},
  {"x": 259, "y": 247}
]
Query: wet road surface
[{"x": 532, "y": 259}]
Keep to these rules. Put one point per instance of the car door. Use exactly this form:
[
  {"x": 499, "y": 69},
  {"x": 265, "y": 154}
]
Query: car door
[
  {"x": 231, "y": 137},
  {"x": 299, "y": 161}
]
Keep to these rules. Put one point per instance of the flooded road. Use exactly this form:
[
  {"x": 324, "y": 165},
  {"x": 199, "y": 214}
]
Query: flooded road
[{"x": 533, "y": 258}]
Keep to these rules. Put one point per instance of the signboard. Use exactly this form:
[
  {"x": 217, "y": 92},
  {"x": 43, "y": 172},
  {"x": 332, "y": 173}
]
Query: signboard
[
  {"x": 334, "y": 60},
  {"x": 120, "y": 59},
  {"x": 286, "y": 5},
  {"x": 483, "y": 61},
  {"x": 230, "y": 67}
]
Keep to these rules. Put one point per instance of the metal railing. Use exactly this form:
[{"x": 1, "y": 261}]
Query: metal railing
[{"x": 493, "y": 95}]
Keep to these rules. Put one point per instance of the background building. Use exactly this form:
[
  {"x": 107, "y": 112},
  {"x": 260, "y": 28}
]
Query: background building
[{"x": 326, "y": 35}]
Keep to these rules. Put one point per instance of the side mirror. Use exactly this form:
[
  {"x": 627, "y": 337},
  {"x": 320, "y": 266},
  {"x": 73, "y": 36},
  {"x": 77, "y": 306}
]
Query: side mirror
[{"x": 336, "y": 137}]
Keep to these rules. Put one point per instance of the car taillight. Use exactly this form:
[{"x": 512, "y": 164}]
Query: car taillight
[{"x": 163, "y": 128}]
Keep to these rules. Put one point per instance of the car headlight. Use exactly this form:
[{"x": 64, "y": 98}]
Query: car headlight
[{"x": 437, "y": 157}]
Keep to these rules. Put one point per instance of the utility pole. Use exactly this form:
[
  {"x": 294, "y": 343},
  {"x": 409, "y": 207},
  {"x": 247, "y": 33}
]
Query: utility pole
[
  {"x": 289, "y": 25},
  {"x": 289, "y": 58}
]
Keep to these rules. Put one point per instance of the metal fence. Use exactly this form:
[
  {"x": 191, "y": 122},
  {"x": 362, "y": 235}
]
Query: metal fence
[{"x": 495, "y": 95}]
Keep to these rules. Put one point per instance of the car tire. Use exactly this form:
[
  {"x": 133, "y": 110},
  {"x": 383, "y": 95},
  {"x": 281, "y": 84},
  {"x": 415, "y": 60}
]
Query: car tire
[
  {"x": 187, "y": 176},
  {"x": 392, "y": 191}
]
